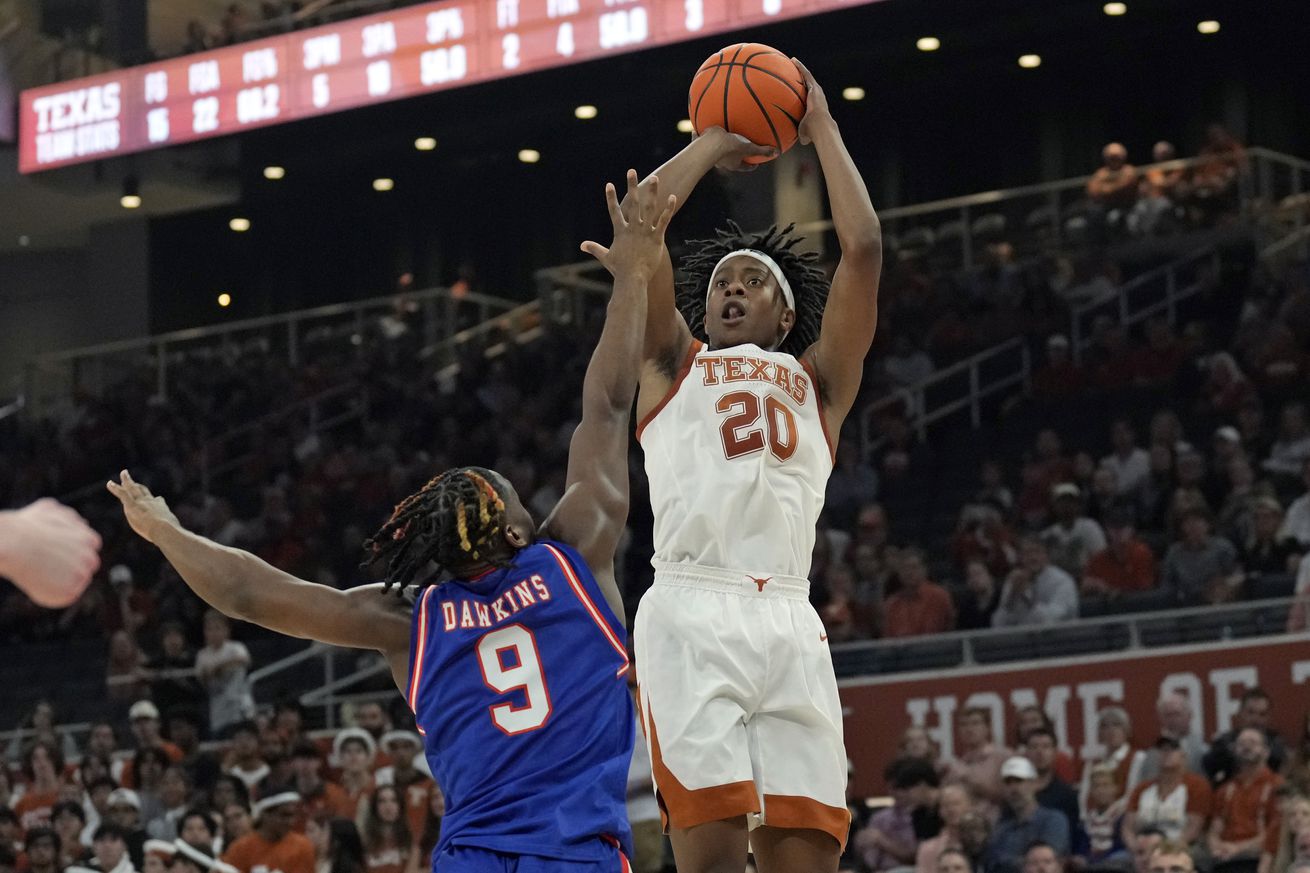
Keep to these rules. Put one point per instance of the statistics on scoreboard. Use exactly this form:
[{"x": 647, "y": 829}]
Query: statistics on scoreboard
[{"x": 356, "y": 62}]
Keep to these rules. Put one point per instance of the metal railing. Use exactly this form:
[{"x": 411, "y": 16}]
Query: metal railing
[
  {"x": 1153, "y": 292},
  {"x": 1117, "y": 633},
  {"x": 51, "y": 378}
]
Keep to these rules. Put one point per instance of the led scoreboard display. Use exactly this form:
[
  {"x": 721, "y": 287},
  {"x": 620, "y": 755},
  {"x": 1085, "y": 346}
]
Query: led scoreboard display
[{"x": 357, "y": 62}]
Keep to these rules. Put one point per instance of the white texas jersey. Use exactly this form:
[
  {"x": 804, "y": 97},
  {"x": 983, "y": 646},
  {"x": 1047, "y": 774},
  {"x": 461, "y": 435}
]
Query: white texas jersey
[{"x": 738, "y": 458}]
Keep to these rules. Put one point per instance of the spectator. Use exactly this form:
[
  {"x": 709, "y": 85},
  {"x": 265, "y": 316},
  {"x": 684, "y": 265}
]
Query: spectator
[
  {"x": 1028, "y": 719},
  {"x": 124, "y": 810},
  {"x": 852, "y": 483},
  {"x": 1201, "y": 568},
  {"x": 994, "y": 491},
  {"x": 906, "y": 365},
  {"x": 202, "y": 767},
  {"x": 978, "y": 600},
  {"x": 110, "y": 851},
  {"x": 1246, "y": 804},
  {"x": 42, "y": 766},
  {"x": 243, "y": 758},
  {"x": 1267, "y": 551},
  {"x": 1042, "y": 858},
  {"x": 954, "y": 861},
  {"x": 319, "y": 797},
  {"x": 39, "y": 726},
  {"x": 981, "y": 535},
  {"x": 1156, "y": 364},
  {"x": 1291, "y": 451},
  {"x": 1280, "y": 842},
  {"x": 1297, "y": 766},
  {"x": 221, "y": 666},
  {"x": 921, "y": 606},
  {"x": 917, "y": 744},
  {"x": 237, "y": 823},
  {"x": 1214, "y": 179},
  {"x": 1220, "y": 762},
  {"x": 234, "y": 22},
  {"x": 125, "y": 669},
  {"x": 318, "y": 833},
  {"x": 1298, "y": 619},
  {"x": 345, "y": 847},
  {"x": 159, "y": 856},
  {"x": 229, "y": 789},
  {"x": 69, "y": 820},
  {"x": 197, "y": 828},
  {"x": 387, "y": 842},
  {"x": 1097, "y": 841},
  {"x": 173, "y": 684},
  {"x": 1168, "y": 856},
  {"x": 1059, "y": 378},
  {"x": 1103, "y": 495},
  {"x": 1125, "y": 565},
  {"x": 954, "y": 804},
  {"x": 1161, "y": 191},
  {"x": 42, "y": 847},
  {"x": 354, "y": 751},
  {"x": 844, "y": 617},
  {"x": 1174, "y": 714},
  {"x": 975, "y": 838},
  {"x": 1176, "y": 803},
  {"x": 978, "y": 762},
  {"x": 174, "y": 797},
  {"x": 887, "y": 841},
  {"x": 1112, "y": 189},
  {"x": 1073, "y": 538},
  {"x": 1036, "y": 592},
  {"x": 1023, "y": 821},
  {"x": 416, "y": 786},
  {"x": 1296, "y": 526},
  {"x": 98, "y": 793},
  {"x": 197, "y": 38},
  {"x": 148, "y": 775},
  {"x": 372, "y": 718},
  {"x": 144, "y": 717},
  {"x": 1131, "y": 464},
  {"x": 273, "y": 845},
  {"x": 1113, "y": 731},
  {"x": 1040, "y": 748}
]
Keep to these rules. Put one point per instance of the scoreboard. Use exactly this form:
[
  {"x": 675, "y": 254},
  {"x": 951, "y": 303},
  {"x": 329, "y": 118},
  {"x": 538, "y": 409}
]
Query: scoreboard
[{"x": 357, "y": 62}]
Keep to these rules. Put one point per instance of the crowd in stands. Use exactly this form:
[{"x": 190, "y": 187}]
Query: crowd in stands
[
  {"x": 268, "y": 797},
  {"x": 1238, "y": 804}
]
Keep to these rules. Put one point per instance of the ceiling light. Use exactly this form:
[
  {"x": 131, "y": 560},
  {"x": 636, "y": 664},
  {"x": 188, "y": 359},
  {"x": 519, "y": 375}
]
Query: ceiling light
[
  {"x": 131, "y": 198},
  {"x": 274, "y": 172},
  {"x": 425, "y": 143},
  {"x": 225, "y": 299},
  {"x": 24, "y": 240},
  {"x": 1029, "y": 62},
  {"x": 586, "y": 113},
  {"x": 685, "y": 126},
  {"x": 1208, "y": 26},
  {"x": 529, "y": 156},
  {"x": 240, "y": 225},
  {"x": 383, "y": 184},
  {"x": 1115, "y": 8},
  {"x": 852, "y": 94},
  {"x": 928, "y": 44}
]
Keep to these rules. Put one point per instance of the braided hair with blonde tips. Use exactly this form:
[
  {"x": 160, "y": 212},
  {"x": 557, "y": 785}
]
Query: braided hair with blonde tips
[
  {"x": 808, "y": 282},
  {"x": 453, "y": 521}
]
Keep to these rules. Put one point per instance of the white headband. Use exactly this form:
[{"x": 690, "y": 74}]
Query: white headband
[{"x": 769, "y": 263}]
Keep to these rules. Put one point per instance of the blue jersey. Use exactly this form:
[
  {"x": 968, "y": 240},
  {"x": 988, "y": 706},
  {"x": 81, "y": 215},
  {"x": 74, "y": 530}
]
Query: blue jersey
[{"x": 518, "y": 684}]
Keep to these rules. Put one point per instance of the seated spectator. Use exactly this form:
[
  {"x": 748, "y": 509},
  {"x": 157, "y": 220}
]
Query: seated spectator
[
  {"x": 1126, "y": 564},
  {"x": 197, "y": 38},
  {"x": 993, "y": 490},
  {"x": 1156, "y": 364},
  {"x": 1214, "y": 180},
  {"x": 172, "y": 685},
  {"x": 237, "y": 823},
  {"x": 159, "y": 856},
  {"x": 978, "y": 600},
  {"x": 887, "y": 841},
  {"x": 1174, "y": 715},
  {"x": 244, "y": 760},
  {"x": 1073, "y": 538},
  {"x": 1042, "y": 858},
  {"x": 921, "y": 606},
  {"x": 1159, "y": 194},
  {"x": 982, "y": 535},
  {"x": 109, "y": 849},
  {"x": 221, "y": 665},
  {"x": 1280, "y": 842},
  {"x": 124, "y": 810},
  {"x": 1028, "y": 719},
  {"x": 977, "y": 764},
  {"x": 199, "y": 829},
  {"x": 954, "y": 804},
  {"x": 1201, "y": 568},
  {"x": 1114, "y": 731},
  {"x": 1267, "y": 551},
  {"x": 1298, "y": 619},
  {"x": 355, "y": 752},
  {"x": 1296, "y": 525},
  {"x": 1036, "y": 592},
  {"x": 1097, "y": 842},
  {"x": 42, "y": 848},
  {"x": 1102, "y": 495},
  {"x": 69, "y": 820},
  {"x": 387, "y": 841},
  {"x": 1220, "y": 762},
  {"x": 1246, "y": 805},
  {"x": 844, "y": 617},
  {"x": 42, "y": 766},
  {"x": 1023, "y": 822},
  {"x": 917, "y": 744},
  {"x": 174, "y": 799},
  {"x": 416, "y": 786},
  {"x": 1059, "y": 378},
  {"x": 273, "y": 845},
  {"x": 1040, "y": 748},
  {"x": 906, "y": 365},
  {"x": 1226, "y": 388},
  {"x": 1112, "y": 188},
  {"x": 144, "y": 716},
  {"x": 1176, "y": 802},
  {"x": 1131, "y": 463},
  {"x": 1170, "y": 857},
  {"x": 1291, "y": 451},
  {"x": 975, "y": 838},
  {"x": 148, "y": 776},
  {"x": 957, "y": 861},
  {"x": 1144, "y": 846}
]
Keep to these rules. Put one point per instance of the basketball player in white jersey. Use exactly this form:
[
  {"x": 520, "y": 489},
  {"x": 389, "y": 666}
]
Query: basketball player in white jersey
[{"x": 738, "y": 696}]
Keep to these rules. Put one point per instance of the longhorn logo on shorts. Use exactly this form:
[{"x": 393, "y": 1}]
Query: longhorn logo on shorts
[{"x": 759, "y": 583}]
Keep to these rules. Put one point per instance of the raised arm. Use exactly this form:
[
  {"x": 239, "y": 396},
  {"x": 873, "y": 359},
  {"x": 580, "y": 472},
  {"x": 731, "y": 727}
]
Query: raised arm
[
  {"x": 666, "y": 333},
  {"x": 851, "y": 314},
  {"x": 243, "y": 587},
  {"x": 591, "y": 514}
]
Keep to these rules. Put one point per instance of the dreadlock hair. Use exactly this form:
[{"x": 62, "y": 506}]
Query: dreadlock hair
[
  {"x": 452, "y": 521},
  {"x": 808, "y": 282}
]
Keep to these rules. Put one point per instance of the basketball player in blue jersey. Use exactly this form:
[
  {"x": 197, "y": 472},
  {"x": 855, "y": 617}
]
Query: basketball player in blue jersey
[
  {"x": 751, "y": 364},
  {"x": 513, "y": 655}
]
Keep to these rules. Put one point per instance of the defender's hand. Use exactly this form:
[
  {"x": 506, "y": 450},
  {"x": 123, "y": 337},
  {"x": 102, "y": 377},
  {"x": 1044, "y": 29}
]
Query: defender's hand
[
  {"x": 639, "y": 227},
  {"x": 145, "y": 512}
]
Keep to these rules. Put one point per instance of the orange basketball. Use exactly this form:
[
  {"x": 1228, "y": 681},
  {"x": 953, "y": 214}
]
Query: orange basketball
[{"x": 752, "y": 90}]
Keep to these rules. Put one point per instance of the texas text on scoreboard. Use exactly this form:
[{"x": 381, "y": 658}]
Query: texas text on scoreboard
[{"x": 360, "y": 61}]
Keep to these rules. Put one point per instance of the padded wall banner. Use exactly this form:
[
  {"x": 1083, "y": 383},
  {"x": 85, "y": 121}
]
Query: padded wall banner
[{"x": 1072, "y": 690}]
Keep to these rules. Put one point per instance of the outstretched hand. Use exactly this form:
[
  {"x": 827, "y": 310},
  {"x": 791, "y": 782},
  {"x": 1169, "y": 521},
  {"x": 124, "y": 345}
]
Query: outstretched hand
[
  {"x": 816, "y": 106},
  {"x": 639, "y": 226},
  {"x": 145, "y": 512},
  {"x": 49, "y": 551}
]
